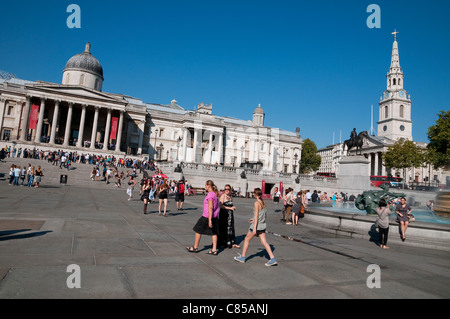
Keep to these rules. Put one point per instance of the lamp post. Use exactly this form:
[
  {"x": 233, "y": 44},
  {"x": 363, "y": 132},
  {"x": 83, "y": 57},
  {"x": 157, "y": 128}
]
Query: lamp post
[{"x": 161, "y": 147}]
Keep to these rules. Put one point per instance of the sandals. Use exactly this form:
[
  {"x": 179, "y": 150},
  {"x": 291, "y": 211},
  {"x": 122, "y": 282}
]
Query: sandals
[
  {"x": 192, "y": 249},
  {"x": 213, "y": 252}
]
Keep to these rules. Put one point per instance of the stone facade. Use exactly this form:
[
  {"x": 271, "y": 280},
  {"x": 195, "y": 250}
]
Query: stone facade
[{"x": 78, "y": 115}]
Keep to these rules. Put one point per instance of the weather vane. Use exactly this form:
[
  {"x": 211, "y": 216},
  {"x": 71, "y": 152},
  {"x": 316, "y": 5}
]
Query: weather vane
[{"x": 395, "y": 34}]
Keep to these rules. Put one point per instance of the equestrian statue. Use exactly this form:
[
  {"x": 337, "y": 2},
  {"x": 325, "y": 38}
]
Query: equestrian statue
[{"x": 356, "y": 140}]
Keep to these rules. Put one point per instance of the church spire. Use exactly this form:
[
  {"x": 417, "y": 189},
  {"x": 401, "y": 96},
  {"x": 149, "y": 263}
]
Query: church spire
[{"x": 395, "y": 59}]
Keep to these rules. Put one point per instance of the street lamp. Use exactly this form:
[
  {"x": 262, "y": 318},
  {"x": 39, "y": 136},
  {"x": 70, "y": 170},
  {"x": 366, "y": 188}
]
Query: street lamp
[{"x": 295, "y": 161}]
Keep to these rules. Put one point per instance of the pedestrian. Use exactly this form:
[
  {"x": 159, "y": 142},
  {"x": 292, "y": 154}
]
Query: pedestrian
[
  {"x": 289, "y": 202},
  {"x": 131, "y": 184},
  {"x": 38, "y": 176},
  {"x": 403, "y": 211},
  {"x": 179, "y": 194},
  {"x": 30, "y": 175},
  {"x": 145, "y": 194},
  {"x": 23, "y": 173},
  {"x": 276, "y": 198},
  {"x": 227, "y": 236},
  {"x": 296, "y": 208},
  {"x": 11, "y": 174},
  {"x": 208, "y": 224},
  {"x": 382, "y": 221},
  {"x": 17, "y": 172},
  {"x": 257, "y": 229},
  {"x": 163, "y": 194}
]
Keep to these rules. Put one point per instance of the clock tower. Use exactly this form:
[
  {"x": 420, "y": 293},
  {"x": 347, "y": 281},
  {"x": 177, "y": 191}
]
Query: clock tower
[{"x": 395, "y": 104}]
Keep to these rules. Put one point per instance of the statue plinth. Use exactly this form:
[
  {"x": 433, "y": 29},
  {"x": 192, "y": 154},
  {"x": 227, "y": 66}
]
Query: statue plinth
[{"x": 354, "y": 173}]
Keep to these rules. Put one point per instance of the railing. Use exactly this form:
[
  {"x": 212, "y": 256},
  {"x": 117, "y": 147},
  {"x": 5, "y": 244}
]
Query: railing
[{"x": 213, "y": 169}]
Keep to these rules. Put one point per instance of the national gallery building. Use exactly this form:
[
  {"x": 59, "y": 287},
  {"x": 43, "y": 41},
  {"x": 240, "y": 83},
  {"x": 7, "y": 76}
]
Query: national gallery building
[{"x": 78, "y": 115}]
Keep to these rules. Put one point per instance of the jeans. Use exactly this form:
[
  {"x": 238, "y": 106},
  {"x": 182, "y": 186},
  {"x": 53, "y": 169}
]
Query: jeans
[
  {"x": 383, "y": 235},
  {"x": 16, "y": 180},
  {"x": 30, "y": 181}
]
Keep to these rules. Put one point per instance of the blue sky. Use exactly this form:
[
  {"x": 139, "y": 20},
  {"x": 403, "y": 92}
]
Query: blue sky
[{"x": 310, "y": 64}]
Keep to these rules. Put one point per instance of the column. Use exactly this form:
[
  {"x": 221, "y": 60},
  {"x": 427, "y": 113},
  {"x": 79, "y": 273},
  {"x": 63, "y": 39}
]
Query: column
[
  {"x": 141, "y": 127},
  {"x": 2, "y": 112},
  {"x": 26, "y": 117},
  {"x": 40, "y": 121},
  {"x": 185, "y": 136},
  {"x": 194, "y": 148},
  {"x": 210, "y": 148},
  {"x": 80, "y": 142},
  {"x": 375, "y": 166},
  {"x": 107, "y": 129},
  {"x": 68, "y": 126},
  {"x": 54, "y": 122},
  {"x": 119, "y": 132},
  {"x": 221, "y": 159},
  {"x": 94, "y": 128}
]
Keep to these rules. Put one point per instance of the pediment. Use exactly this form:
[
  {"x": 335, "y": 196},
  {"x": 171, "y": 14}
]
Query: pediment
[{"x": 76, "y": 91}]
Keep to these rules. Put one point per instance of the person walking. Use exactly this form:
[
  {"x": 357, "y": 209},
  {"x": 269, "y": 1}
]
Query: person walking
[
  {"x": 276, "y": 198},
  {"x": 131, "y": 184},
  {"x": 383, "y": 212},
  {"x": 208, "y": 224},
  {"x": 163, "y": 195},
  {"x": 289, "y": 202},
  {"x": 30, "y": 176},
  {"x": 145, "y": 194},
  {"x": 257, "y": 229},
  {"x": 179, "y": 194},
  {"x": 38, "y": 176},
  {"x": 403, "y": 210},
  {"x": 227, "y": 236}
]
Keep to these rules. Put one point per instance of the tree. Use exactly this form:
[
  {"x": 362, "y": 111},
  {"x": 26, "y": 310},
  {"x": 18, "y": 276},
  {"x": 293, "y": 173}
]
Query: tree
[
  {"x": 404, "y": 154},
  {"x": 439, "y": 137},
  {"x": 310, "y": 158}
]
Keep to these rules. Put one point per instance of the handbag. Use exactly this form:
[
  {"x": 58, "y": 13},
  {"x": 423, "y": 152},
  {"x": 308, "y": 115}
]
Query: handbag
[
  {"x": 302, "y": 209},
  {"x": 411, "y": 218}
]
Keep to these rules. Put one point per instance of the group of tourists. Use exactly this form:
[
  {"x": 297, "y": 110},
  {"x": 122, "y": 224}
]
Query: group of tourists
[
  {"x": 28, "y": 175},
  {"x": 217, "y": 221}
]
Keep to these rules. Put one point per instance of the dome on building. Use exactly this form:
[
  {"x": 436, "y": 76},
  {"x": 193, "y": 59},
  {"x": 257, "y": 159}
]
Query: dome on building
[
  {"x": 258, "y": 110},
  {"x": 85, "y": 62}
]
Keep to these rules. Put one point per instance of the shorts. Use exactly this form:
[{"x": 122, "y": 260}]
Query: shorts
[
  {"x": 162, "y": 195},
  {"x": 202, "y": 226},
  {"x": 179, "y": 197},
  {"x": 258, "y": 232}
]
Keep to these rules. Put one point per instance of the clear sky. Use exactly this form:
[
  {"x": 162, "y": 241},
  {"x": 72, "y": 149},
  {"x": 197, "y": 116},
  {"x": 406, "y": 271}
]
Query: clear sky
[{"x": 310, "y": 64}]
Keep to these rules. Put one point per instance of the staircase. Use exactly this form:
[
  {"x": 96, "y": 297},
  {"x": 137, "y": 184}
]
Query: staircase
[{"x": 78, "y": 175}]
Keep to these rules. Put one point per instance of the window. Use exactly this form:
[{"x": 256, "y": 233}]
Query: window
[
  {"x": 402, "y": 110},
  {"x": 10, "y": 110},
  {"x": 82, "y": 79},
  {"x": 386, "y": 113},
  {"x": 394, "y": 81},
  {"x": 6, "y": 134}
]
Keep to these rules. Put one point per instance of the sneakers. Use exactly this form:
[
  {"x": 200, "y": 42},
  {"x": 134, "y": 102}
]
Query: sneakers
[
  {"x": 241, "y": 259},
  {"x": 271, "y": 262}
]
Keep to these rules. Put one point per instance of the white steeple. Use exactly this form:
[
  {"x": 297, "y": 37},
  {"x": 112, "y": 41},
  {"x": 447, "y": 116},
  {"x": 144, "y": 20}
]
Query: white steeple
[{"x": 395, "y": 105}]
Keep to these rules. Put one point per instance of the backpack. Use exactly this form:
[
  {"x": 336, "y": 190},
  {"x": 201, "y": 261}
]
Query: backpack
[{"x": 181, "y": 188}]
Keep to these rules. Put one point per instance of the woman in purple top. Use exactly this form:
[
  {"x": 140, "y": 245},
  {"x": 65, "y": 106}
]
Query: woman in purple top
[
  {"x": 208, "y": 224},
  {"x": 403, "y": 211}
]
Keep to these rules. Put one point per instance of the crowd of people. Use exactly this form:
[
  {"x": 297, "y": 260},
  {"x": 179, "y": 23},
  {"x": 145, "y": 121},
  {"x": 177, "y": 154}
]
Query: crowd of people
[{"x": 217, "y": 218}]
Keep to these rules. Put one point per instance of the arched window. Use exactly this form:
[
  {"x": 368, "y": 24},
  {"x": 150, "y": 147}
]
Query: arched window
[
  {"x": 386, "y": 113},
  {"x": 394, "y": 81},
  {"x": 399, "y": 81},
  {"x": 402, "y": 111}
]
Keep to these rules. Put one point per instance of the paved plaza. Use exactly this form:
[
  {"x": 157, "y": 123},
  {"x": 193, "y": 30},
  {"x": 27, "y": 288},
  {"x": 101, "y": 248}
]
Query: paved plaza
[{"x": 122, "y": 253}]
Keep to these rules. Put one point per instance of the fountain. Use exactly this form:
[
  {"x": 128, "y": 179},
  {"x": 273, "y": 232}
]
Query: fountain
[{"x": 369, "y": 200}]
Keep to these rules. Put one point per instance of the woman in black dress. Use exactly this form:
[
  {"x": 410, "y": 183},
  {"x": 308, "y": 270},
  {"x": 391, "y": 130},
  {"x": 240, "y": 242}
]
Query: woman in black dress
[{"x": 227, "y": 235}]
